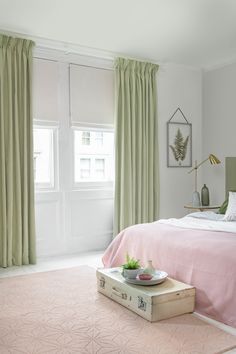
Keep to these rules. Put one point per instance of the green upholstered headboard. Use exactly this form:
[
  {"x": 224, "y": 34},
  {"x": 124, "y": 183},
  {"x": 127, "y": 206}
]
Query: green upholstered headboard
[{"x": 230, "y": 174}]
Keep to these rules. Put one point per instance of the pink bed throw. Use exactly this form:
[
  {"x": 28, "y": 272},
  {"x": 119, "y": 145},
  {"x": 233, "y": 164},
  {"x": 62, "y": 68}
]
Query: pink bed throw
[{"x": 204, "y": 259}]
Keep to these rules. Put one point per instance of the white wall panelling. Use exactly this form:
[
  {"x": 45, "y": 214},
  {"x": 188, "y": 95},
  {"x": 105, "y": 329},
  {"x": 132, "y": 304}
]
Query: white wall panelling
[
  {"x": 67, "y": 220},
  {"x": 91, "y": 216},
  {"x": 48, "y": 223}
]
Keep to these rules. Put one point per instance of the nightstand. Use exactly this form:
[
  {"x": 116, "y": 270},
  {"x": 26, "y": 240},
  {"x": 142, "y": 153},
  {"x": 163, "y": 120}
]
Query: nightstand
[{"x": 201, "y": 207}]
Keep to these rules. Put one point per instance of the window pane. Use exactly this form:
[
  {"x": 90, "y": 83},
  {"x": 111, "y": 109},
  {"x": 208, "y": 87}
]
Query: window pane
[
  {"x": 100, "y": 168},
  {"x": 86, "y": 138},
  {"x": 43, "y": 157},
  {"x": 100, "y": 164},
  {"x": 93, "y": 161},
  {"x": 85, "y": 166},
  {"x": 99, "y": 138}
]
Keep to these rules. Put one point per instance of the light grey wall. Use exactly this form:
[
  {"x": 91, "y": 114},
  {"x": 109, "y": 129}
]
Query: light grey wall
[
  {"x": 219, "y": 126},
  {"x": 178, "y": 86}
]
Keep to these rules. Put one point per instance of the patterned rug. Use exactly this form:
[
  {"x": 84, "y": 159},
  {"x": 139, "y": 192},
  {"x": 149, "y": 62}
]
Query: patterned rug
[{"x": 60, "y": 312}]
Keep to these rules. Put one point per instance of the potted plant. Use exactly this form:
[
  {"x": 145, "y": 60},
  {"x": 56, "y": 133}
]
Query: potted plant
[{"x": 131, "y": 268}]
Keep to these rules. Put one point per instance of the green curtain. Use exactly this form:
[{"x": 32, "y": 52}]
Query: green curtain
[
  {"x": 17, "y": 220},
  {"x": 136, "y": 148}
]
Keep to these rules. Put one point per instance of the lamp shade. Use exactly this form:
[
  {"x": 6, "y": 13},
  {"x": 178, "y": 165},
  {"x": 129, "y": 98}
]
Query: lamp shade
[{"x": 213, "y": 159}]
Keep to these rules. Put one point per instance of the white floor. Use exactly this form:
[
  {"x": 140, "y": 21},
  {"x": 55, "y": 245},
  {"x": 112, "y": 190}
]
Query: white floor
[{"x": 92, "y": 259}]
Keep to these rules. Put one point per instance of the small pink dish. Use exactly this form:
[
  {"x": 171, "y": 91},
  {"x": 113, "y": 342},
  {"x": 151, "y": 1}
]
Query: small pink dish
[{"x": 145, "y": 276}]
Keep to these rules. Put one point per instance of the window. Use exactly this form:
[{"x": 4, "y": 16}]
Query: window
[
  {"x": 85, "y": 138},
  {"x": 100, "y": 168},
  {"x": 44, "y": 157},
  {"x": 85, "y": 168},
  {"x": 93, "y": 156},
  {"x": 99, "y": 138}
]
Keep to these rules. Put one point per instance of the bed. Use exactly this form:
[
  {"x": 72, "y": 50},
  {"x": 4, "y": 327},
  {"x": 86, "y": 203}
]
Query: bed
[{"x": 198, "y": 249}]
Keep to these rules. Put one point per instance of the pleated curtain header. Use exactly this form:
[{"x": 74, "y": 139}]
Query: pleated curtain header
[
  {"x": 18, "y": 44},
  {"x": 138, "y": 67},
  {"x": 136, "y": 149}
]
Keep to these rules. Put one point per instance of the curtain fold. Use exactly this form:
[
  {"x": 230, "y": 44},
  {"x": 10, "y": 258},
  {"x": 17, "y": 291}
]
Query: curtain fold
[
  {"x": 17, "y": 219},
  {"x": 136, "y": 147}
]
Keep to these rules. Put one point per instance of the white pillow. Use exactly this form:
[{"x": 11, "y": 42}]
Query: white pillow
[{"x": 230, "y": 214}]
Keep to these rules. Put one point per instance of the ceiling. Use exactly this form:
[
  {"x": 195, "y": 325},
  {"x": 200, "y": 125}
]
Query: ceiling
[{"x": 199, "y": 33}]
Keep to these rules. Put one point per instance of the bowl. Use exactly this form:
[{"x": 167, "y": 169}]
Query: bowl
[
  {"x": 130, "y": 273},
  {"x": 145, "y": 276}
]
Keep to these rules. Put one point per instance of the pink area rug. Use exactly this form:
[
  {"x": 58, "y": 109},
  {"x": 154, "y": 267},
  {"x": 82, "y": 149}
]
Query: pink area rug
[{"x": 60, "y": 312}]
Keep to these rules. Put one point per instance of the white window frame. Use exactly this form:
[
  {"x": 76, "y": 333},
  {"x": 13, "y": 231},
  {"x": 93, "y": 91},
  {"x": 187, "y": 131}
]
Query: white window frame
[
  {"x": 89, "y": 160},
  {"x": 54, "y": 186},
  {"x": 90, "y": 184}
]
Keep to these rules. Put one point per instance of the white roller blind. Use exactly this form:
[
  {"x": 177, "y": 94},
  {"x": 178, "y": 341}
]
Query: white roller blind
[
  {"x": 45, "y": 90},
  {"x": 91, "y": 95}
]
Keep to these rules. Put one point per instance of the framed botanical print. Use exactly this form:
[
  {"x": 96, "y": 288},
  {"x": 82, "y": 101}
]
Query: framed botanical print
[{"x": 179, "y": 143}]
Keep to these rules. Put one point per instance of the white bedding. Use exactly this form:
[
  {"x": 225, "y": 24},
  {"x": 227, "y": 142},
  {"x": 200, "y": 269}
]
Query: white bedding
[{"x": 202, "y": 220}]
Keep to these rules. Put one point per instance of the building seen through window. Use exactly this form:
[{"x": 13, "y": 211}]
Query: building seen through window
[{"x": 93, "y": 155}]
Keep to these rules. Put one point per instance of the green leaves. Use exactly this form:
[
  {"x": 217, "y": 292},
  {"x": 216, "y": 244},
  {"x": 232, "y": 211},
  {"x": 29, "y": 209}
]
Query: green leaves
[
  {"x": 131, "y": 263},
  {"x": 180, "y": 146}
]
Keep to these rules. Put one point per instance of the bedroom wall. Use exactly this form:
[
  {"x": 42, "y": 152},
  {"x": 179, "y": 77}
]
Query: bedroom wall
[
  {"x": 67, "y": 220},
  {"x": 219, "y": 125},
  {"x": 178, "y": 86}
]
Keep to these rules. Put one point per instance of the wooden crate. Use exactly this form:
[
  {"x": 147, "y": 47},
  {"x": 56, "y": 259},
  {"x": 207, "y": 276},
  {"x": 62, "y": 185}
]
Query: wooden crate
[{"x": 154, "y": 303}]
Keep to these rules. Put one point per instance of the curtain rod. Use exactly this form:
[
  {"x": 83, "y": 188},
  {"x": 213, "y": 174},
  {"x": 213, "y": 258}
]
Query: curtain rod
[
  {"x": 71, "y": 63},
  {"x": 73, "y": 48}
]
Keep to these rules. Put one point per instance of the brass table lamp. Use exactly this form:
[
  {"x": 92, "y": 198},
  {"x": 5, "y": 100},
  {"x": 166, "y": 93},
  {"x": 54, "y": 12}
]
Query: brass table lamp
[{"x": 196, "y": 196}]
